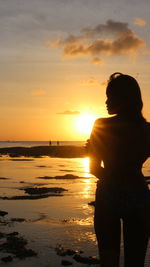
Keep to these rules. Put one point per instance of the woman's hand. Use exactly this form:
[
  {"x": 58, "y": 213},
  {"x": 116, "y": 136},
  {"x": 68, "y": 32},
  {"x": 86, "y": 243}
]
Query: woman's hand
[
  {"x": 95, "y": 168},
  {"x": 99, "y": 172}
]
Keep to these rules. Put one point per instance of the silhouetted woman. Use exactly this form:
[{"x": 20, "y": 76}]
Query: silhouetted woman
[{"x": 122, "y": 143}]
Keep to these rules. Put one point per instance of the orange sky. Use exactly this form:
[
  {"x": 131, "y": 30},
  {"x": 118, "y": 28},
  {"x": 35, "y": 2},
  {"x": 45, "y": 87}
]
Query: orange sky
[{"x": 56, "y": 58}]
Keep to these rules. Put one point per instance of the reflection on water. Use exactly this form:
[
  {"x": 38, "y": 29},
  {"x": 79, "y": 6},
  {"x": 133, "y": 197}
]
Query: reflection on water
[
  {"x": 87, "y": 188},
  {"x": 91, "y": 236},
  {"x": 67, "y": 219},
  {"x": 88, "y": 236},
  {"x": 88, "y": 183},
  {"x": 85, "y": 163}
]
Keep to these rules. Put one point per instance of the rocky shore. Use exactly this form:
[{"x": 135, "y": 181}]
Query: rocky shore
[{"x": 52, "y": 151}]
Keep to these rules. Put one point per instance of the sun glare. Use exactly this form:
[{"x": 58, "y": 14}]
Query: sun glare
[
  {"x": 85, "y": 162},
  {"x": 84, "y": 123}
]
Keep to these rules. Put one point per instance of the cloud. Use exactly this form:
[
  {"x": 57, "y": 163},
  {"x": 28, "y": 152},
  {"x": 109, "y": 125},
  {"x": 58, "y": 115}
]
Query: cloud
[
  {"x": 112, "y": 38},
  {"x": 111, "y": 27},
  {"x": 103, "y": 83},
  {"x": 90, "y": 81},
  {"x": 38, "y": 92},
  {"x": 140, "y": 22},
  {"x": 68, "y": 112},
  {"x": 97, "y": 61}
]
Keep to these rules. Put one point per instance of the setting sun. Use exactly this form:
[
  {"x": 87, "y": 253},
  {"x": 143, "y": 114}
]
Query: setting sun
[{"x": 85, "y": 122}]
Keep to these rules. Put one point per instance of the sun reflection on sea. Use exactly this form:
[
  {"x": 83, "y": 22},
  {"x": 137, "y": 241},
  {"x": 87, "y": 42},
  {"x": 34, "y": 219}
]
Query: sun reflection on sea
[
  {"x": 87, "y": 190},
  {"x": 85, "y": 162},
  {"x": 89, "y": 181}
]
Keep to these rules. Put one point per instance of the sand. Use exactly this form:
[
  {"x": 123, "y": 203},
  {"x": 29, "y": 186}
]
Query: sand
[{"x": 52, "y": 230}]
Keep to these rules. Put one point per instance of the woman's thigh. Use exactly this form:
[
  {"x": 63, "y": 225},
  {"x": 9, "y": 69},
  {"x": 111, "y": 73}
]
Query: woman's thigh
[
  {"x": 136, "y": 228},
  {"x": 107, "y": 227}
]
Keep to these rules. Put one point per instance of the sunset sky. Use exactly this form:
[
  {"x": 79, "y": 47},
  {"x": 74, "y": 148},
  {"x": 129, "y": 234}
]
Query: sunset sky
[{"x": 56, "y": 57}]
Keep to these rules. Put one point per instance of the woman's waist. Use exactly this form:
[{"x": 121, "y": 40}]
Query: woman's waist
[
  {"x": 111, "y": 192},
  {"x": 125, "y": 171},
  {"x": 128, "y": 182},
  {"x": 120, "y": 175}
]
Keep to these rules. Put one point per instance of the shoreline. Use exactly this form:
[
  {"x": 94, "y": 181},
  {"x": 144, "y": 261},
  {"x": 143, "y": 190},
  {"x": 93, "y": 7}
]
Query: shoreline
[{"x": 52, "y": 151}]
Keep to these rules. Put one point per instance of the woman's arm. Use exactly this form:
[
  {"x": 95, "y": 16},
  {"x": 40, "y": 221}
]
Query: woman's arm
[
  {"x": 95, "y": 168},
  {"x": 94, "y": 154}
]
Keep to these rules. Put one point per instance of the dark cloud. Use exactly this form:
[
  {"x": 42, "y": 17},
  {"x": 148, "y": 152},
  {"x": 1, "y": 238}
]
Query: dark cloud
[
  {"x": 68, "y": 112},
  {"x": 111, "y": 27},
  {"x": 112, "y": 38},
  {"x": 71, "y": 39}
]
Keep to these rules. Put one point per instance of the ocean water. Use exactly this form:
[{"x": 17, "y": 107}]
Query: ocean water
[
  {"x": 66, "y": 220},
  {"x": 39, "y": 143}
]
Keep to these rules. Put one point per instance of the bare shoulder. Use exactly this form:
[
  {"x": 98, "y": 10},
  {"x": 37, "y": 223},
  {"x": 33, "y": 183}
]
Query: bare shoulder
[
  {"x": 102, "y": 125},
  {"x": 97, "y": 127},
  {"x": 104, "y": 121},
  {"x": 98, "y": 122}
]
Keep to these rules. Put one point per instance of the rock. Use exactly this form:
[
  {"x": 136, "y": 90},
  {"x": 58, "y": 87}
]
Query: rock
[
  {"x": 14, "y": 242},
  {"x": 43, "y": 190},
  {"x": 70, "y": 252},
  {"x": 60, "y": 251},
  {"x": 1, "y": 235},
  {"x": 66, "y": 263},
  {"x": 86, "y": 260},
  {"x": 3, "y": 213},
  {"x": 18, "y": 219},
  {"x": 7, "y": 259},
  {"x": 13, "y": 234},
  {"x": 66, "y": 252},
  {"x": 17, "y": 246},
  {"x": 41, "y": 166},
  {"x": 53, "y": 151},
  {"x": 23, "y": 253},
  {"x": 66, "y": 176},
  {"x": 33, "y": 197},
  {"x": 14, "y": 155},
  {"x": 21, "y": 159}
]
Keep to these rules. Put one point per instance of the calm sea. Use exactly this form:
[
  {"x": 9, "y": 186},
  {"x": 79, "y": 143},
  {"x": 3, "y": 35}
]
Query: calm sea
[{"x": 39, "y": 143}]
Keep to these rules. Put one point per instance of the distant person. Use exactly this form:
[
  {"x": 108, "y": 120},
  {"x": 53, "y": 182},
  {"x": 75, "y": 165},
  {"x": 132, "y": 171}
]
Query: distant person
[
  {"x": 57, "y": 143},
  {"x": 122, "y": 143},
  {"x": 50, "y": 143}
]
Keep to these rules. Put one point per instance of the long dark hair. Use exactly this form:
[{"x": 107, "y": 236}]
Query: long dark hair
[{"x": 126, "y": 90}]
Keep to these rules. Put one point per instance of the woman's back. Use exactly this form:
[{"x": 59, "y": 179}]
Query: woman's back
[{"x": 123, "y": 145}]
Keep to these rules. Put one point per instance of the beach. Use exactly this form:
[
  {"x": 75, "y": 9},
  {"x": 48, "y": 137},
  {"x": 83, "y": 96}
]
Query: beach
[
  {"x": 74, "y": 84},
  {"x": 47, "y": 193}
]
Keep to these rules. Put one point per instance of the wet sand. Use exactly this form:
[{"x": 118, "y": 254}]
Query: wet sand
[{"x": 45, "y": 213}]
